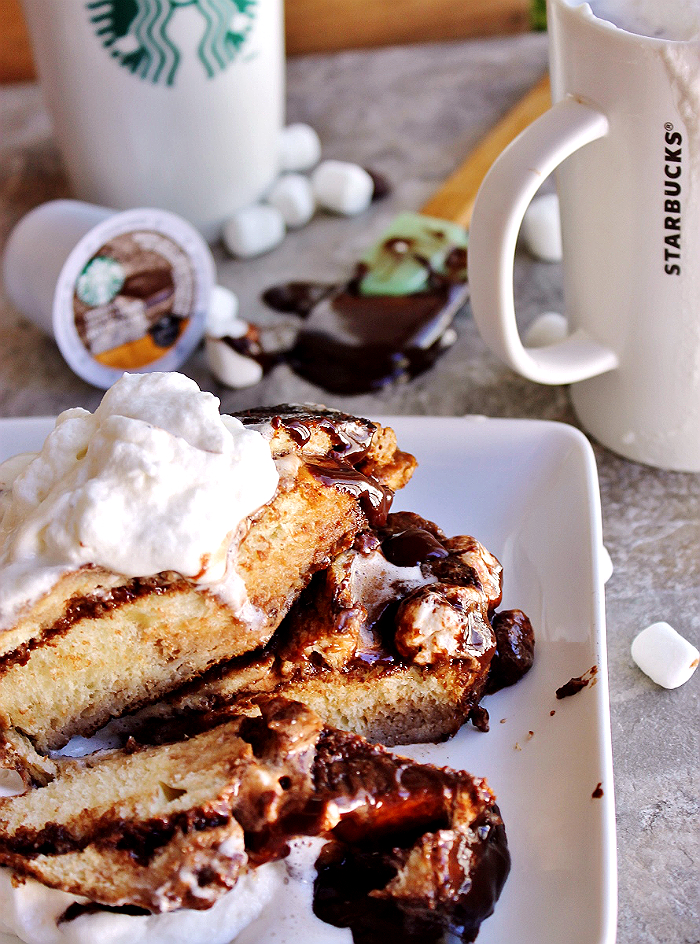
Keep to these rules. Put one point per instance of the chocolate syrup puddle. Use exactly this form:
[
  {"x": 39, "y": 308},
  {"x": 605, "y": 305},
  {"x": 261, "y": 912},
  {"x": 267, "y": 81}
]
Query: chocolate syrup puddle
[
  {"x": 296, "y": 298},
  {"x": 353, "y": 343}
]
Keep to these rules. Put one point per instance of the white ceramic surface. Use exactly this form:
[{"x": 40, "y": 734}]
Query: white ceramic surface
[
  {"x": 527, "y": 489},
  {"x": 624, "y": 137},
  {"x": 175, "y": 105}
]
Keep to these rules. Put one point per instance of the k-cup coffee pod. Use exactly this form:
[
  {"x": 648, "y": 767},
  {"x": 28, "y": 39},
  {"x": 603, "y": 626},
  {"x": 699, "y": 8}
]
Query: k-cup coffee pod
[{"x": 118, "y": 291}]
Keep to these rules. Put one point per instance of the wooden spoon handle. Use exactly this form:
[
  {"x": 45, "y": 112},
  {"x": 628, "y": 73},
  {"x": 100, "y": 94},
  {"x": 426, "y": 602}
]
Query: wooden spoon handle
[{"x": 455, "y": 199}]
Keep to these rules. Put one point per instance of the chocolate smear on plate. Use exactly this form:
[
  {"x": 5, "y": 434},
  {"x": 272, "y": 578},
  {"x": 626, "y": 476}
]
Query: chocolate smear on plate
[{"x": 575, "y": 684}]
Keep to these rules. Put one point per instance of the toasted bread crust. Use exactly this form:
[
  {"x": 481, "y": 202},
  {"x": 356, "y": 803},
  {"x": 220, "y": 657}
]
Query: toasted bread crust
[
  {"x": 173, "y": 823},
  {"x": 99, "y": 644},
  {"x": 349, "y": 660}
]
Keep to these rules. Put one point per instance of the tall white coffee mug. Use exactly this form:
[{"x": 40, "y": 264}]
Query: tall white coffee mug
[
  {"x": 175, "y": 104},
  {"x": 625, "y": 128}
]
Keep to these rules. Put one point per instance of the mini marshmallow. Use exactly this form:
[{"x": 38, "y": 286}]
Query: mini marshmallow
[
  {"x": 342, "y": 187},
  {"x": 222, "y": 317},
  {"x": 541, "y": 228},
  {"x": 448, "y": 338},
  {"x": 11, "y": 784},
  {"x": 664, "y": 655},
  {"x": 253, "y": 231},
  {"x": 606, "y": 564},
  {"x": 549, "y": 328},
  {"x": 293, "y": 196},
  {"x": 300, "y": 147},
  {"x": 229, "y": 367}
]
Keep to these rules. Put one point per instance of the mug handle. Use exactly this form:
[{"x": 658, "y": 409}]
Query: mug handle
[{"x": 503, "y": 197}]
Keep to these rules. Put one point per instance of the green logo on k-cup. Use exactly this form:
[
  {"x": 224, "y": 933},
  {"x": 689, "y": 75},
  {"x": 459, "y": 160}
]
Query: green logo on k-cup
[{"x": 139, "y": 33}]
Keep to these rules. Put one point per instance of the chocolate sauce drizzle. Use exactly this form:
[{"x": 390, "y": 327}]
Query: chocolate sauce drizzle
[
  {"x": 387, "y": 332},
  {"x": 296, "y": 298},
  {"x": 350, "y": 437},
  {"x": 347, "y": 875},
  {"x": 411, "y": 547},
  {"x": 140, "y": 839},
  {"x": 249, "y": 346},
  {"x": 515, "y": 650},
  {"x": 577, "y": 683},
  {"x": 374, "y": 498}
]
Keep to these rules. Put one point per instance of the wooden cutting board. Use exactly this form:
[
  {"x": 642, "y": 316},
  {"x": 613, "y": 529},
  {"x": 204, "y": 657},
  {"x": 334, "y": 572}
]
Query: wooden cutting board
[{"x": 328, "y": 25}]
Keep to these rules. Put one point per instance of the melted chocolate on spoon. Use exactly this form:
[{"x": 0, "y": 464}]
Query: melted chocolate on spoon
[{"x": 356, "y": 343}]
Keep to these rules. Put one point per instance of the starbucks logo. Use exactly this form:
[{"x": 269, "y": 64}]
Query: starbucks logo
[{"x": 137, "y": 33}]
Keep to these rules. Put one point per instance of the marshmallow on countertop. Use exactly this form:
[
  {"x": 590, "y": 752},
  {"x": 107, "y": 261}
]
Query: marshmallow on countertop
[
  {"x": 541, "y": 228},
  {"x": 547, "y": 329},
  {"x": 222, "y": 317},
  {"x": 342, "y": 187},
  {"x": 253, "y": 231},
  {"x": 664, "y": 655},
  {"x": 300, "y": 147},
  {"x": 293, "y": 196},
  {"x": 606, "y": 564},
  {"x": 229, "y": 367}
]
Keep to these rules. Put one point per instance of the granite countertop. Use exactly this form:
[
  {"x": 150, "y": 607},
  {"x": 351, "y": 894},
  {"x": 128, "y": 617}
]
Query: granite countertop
[{"x": 413, "y": 113}]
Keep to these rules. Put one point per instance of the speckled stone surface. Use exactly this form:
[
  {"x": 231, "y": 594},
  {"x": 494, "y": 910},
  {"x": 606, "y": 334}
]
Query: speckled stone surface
[{"x": 413, "y": 114}]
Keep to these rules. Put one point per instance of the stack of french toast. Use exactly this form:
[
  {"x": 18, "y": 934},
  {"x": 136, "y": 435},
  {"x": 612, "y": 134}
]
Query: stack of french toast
[{"x": 243, "y": 730}]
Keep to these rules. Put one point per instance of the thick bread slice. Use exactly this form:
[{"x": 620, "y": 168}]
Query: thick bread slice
[
  {"x": 388, "y": 704},
  {"x": 161, "y": 827},
  {"x": 99, "y": 644},
  {"x": 397, "y": 654},
  {"x": 172, "y": 824}
]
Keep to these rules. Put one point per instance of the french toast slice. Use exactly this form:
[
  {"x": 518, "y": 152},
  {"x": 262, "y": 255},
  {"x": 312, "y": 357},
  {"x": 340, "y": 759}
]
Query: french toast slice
[
  {"x": 175, "y": 818},
  {"x": 395, "y": 641},
  {"x": 98, "y": 644}
]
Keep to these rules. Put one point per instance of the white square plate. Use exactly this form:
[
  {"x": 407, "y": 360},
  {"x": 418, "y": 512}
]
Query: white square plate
[{"x": 528, "y": 490}]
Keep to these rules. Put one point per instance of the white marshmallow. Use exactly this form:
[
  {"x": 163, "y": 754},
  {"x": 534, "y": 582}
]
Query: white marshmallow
[
  {"x": 664, "y": 655},
  {"x": 300, "y": 147},
  {"x": 229, "y": 367},
  {"x": 254, "y": 230},
  {"x": 606, "y": 564},
  {"x": 541, "y": 228},
  {"x": 11, "y": 783},
  {"x": 549, "y": 328},
  {"x": 293, "y": 196},
  {"x": 449, "y": 336},
  {"x": 222, "y": 317},
  {"x": 342, "y": 187}
]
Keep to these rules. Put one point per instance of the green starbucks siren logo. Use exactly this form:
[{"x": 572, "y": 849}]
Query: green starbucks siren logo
[{"x": 136, "y": 33}]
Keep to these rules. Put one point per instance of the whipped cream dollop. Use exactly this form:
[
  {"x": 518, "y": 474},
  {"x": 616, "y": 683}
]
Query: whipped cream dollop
[
  {"x": 154, "y": 480},
  {"x": 272, "y": 903},
  {"x": 34, "y": 914}
]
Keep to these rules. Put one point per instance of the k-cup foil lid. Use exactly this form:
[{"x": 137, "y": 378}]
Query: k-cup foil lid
[{"x": 127, "y": 293}]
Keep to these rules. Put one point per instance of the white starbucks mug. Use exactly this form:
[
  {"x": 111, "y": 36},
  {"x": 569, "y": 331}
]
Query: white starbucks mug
[
  {"x": 624, "y": 136},
  {"x": 176, "y": 104}
]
